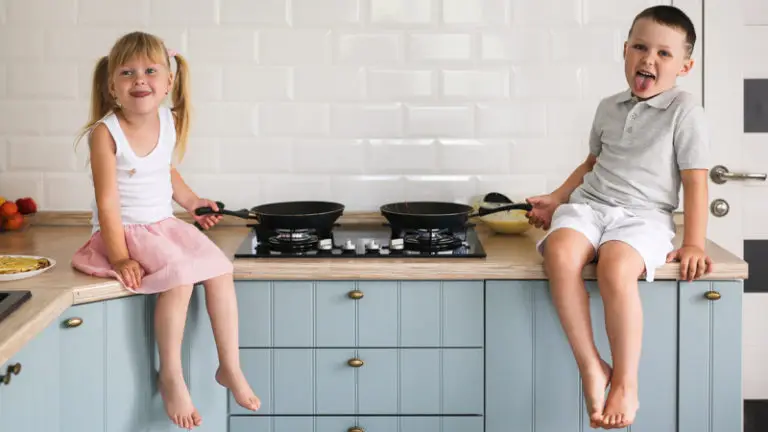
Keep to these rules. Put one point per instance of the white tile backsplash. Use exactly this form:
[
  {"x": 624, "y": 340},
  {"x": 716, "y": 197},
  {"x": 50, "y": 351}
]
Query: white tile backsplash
[{"x": 359, "y": 101}]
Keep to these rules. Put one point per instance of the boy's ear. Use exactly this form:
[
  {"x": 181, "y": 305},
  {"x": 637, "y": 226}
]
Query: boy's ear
[
  {"x": 687, "y": 66},
  {"x": 624, "y": 51}
]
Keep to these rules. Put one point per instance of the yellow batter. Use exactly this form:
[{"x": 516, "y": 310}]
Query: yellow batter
[{"x": 11, "y": 265}]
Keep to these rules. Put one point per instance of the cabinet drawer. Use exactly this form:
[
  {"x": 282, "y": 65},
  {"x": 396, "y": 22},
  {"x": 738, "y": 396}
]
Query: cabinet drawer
[
  {"x": 388, "y": 381},
  {"x": 355, "y": 424},
  {"x": 378, "y": 314}
]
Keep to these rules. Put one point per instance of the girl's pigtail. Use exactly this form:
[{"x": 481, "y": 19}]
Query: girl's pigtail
[
  {"x": 181, "y": 105},
  {"x": 101, "y": 101}
]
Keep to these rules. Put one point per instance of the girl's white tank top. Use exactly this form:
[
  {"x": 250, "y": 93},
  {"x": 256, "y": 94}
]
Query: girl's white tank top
[{"x": 144, "y": 183}]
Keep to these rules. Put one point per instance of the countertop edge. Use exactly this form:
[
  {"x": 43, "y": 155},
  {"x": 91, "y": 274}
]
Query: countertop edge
[{"x": 30, "y": 319}]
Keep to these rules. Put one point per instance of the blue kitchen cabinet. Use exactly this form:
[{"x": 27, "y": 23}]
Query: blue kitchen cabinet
[
  {"x": 375, "y": 314},
  {"x": 710, "y": 356},
  {"x": 340, "y": 349},
  {"x": 690, "y": 364},
  {"x": 94, "y": 368},
  {"x": 356, "y": 424},
  {"x": 87, "y": 371}
]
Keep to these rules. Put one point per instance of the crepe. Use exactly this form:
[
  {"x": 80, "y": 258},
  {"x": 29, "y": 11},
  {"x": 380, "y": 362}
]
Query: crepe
[{"x": 15, "y": 264}]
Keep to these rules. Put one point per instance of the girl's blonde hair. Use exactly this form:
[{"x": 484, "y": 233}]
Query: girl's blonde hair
[{"x": 129, "y": 46}]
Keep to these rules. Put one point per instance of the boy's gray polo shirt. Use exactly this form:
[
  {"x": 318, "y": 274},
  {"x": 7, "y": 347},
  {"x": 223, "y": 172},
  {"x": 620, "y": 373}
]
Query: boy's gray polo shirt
[{"x": 641, "y": 146}]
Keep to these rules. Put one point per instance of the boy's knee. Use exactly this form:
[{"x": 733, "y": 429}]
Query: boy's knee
[
  {"x": 567, "y": 249},
  {"x": 618, "y": 261}
]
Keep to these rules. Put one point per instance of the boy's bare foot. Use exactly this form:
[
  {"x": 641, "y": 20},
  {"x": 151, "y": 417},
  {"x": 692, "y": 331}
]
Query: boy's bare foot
[
  {"x": 594, "y": 383},
  {"x": 178, "y": 402},
  {"x": 235, "y": 381},
  {"x": 621, "y": 407}
]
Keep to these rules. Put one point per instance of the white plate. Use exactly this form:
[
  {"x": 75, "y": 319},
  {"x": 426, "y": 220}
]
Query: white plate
[{"x": 29, "y": 274}]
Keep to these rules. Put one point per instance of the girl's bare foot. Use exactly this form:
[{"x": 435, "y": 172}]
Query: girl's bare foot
[
  {"x": 178, "y": 402},
  {"x": 594, "y": 383},
  {"x": 621, "y": 407},
  {"x": 235, "y": 381}
]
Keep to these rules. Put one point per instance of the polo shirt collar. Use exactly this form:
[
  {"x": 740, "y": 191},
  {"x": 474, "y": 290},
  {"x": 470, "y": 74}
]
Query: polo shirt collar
[{"x": 660, "y": 101}]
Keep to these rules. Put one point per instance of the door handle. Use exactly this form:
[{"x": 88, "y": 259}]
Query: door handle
[{"x": 720, "y": 174}]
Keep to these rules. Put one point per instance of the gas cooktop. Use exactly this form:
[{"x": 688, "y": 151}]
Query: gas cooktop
[{"x": 361, "y": 241}]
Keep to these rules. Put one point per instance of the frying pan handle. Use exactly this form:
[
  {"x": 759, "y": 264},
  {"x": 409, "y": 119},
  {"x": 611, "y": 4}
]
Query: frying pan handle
[
  {"x": 519, "y": 206},
  {"x": 245, "y": 214}
]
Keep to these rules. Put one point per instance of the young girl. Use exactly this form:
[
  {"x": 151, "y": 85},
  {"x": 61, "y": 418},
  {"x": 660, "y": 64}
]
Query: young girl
[{"x": 133, "y": 139}]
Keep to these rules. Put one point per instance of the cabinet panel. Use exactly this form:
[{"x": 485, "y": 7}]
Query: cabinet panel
[
  {"x": 335, "y": 315},
  {"x": 370, "y": 314},
  {"x": 31, "y": 401},
  {"x": 710, "y": 356},
  {"x": 378, "y": 317},
  {"x": 83, "y": 365},
  {"x": 388, "y": 381},
  {"x": 524, "y": 334},
  {"x": 367, "y": 424},
  {"x": 335, "y": 381}
]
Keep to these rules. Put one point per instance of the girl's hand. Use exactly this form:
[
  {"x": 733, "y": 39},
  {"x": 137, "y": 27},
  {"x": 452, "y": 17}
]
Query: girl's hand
[
  {"x": 205, "y": 221},
  {"x": 544, "y": 206},
  {"x": 130, "y": 271}
]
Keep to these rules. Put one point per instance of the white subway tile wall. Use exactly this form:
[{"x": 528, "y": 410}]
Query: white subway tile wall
[{"x": 359, "y": 101}]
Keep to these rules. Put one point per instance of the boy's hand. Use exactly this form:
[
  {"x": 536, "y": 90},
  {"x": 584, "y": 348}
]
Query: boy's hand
[
  {"x": 694, "y": 262},
  {"x": 543, "y": 208}
]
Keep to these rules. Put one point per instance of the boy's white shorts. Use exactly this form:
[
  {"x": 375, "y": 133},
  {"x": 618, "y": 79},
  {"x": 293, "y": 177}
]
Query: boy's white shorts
[{"x": 652, "y": 239}]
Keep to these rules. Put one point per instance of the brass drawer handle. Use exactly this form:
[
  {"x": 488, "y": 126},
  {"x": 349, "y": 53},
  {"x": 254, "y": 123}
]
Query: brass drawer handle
[
  {"x": 712, "y": 295},
  {"x": 355, "y": 362},
  {"x": 355, "y": 429},
  {"x": 73, "y": 322},
  {"x": 355, "y": 294},
  {"x": 12, "y": 369}
]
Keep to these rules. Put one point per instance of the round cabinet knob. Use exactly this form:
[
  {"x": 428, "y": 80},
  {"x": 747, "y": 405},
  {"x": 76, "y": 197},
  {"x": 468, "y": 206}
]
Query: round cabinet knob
[
  {"x": 73, "y": 322},
  {"x": 355, "y": 429},
  {"x": 712, "y": 295},
  {"x": 355, "y": 294},
  {"x": 719, "y": 207},
  {"x": 355, "y": 362},
  {"x": 14, "y": 369}
]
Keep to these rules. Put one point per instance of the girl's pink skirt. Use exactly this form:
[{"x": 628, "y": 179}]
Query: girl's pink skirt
[{"x": 171, "y": 252}]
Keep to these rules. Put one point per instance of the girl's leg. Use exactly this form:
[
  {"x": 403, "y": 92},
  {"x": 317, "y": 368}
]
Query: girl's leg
[
  {"x": 618, "y": 270},
  {"x": 170, "y": 317},
  {"x": 221, "y": 303},
  {"x": 565, "y": 253}
]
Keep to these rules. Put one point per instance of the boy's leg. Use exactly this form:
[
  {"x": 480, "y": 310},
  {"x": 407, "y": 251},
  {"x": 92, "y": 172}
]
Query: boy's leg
[
  {"x": 170, "y": 318},
  {"x": 567, "y": 248},
  {"x": 628, "y": 249},
  {"x": 618, "y": 269},
  {"x": 221, "y": 303}
]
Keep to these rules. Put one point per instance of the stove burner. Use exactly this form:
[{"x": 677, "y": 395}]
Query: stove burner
[
  {"x": 293, "y": 240},
  {"x": 292, "y": 236},
  {"x": 431, "y": 240}
]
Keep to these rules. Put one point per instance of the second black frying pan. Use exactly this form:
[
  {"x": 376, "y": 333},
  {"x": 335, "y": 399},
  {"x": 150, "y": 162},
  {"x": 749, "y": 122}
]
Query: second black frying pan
[{"x": 438, "y": 215}]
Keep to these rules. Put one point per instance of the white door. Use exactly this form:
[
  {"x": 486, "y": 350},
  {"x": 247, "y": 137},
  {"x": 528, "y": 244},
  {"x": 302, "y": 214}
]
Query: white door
[{"x": 732, "y": 51}]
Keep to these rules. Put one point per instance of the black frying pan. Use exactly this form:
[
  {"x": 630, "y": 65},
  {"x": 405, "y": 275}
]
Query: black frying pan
[
  {"x": 319, "y": 215},
  {"x": 438, "y": 215}
]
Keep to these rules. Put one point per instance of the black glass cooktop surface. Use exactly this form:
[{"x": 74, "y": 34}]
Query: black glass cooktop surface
[{"x": 361, "y": 241}]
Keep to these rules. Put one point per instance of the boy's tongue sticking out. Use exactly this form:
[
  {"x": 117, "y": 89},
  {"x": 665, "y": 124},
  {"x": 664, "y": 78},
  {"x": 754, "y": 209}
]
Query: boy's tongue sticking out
[{"x": 643, "y": 81}]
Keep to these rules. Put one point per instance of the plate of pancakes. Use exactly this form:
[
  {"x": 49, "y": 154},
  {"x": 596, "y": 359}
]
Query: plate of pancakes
[{"x": 15, "y": 267}]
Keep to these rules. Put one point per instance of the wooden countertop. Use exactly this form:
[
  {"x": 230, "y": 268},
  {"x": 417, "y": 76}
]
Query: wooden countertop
[{"x": 509, "y": 257}]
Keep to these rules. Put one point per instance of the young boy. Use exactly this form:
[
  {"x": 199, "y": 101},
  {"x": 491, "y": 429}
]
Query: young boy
[{"x": 617, "y": 205}]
